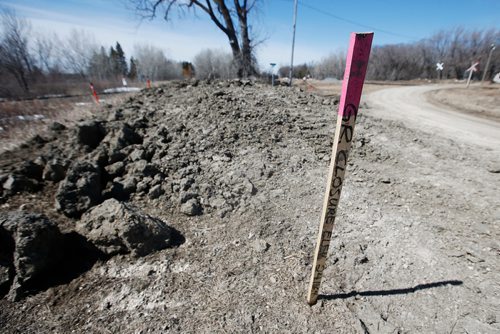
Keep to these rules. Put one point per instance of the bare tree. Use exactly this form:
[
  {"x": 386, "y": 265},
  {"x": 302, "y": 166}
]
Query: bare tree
[
  {"x": 46, "y": 53},
  {"x": 330, "y": 67},
  {"x": 100, "y": 65},
  {"x": 77, "y": 51},
  {"x": 457, "y": 49},
  {"x": 230, "y": 17},
  {"x": 153, "y": 64},
  {"x": 14, "y": 50},
  {"x": 211, "y": 64}
]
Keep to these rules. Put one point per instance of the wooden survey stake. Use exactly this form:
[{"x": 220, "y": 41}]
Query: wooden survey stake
[{"x": 352, "y": 85}]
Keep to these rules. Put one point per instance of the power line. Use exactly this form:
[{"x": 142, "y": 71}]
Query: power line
[{"x": 324, "y": 12}]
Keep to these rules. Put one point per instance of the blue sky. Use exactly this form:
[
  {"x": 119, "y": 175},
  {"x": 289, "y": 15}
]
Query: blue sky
[{"x": 323, "y": 27}]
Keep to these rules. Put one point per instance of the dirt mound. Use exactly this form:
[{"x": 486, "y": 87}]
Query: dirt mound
[
  {"x": 239, "y": 169},
  {"x": 116, "y": 228},
  {"x": 179, "y": 157},
  {"x": 183, "y": 161}
]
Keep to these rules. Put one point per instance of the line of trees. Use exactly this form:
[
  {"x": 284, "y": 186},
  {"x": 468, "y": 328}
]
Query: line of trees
[
  {"x": 214, "y": 64},
  {"x": 42, "y": 64},
  {"x": 32, "y": 64},
  {"x": 457, "y": 49}
]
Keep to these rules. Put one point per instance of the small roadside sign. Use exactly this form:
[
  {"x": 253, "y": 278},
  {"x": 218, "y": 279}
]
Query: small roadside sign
[
  {"x": 439, "y": 68},
  {"x": 471, "y": 69}
]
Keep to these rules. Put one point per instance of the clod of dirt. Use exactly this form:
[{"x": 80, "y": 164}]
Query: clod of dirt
[
  {"x": 121, "y": 137},
  {"x": 32, "y": 170},
  {"x": 155, "y": 192},
  {"x": 81, "y": 189},
  {"x": 192, "y": 207},
  {"x": 117, "y": 228},
  {"x": 260, "y": 246},
  {"x": 55, "y": 170},
  {"x": 28, "y": 251},
  {"x": 116, "y": 169},
  {"x": 15, "y": 183},
  {"x": 57, "y": 127},
  {"x": 90, "y": 133},
  {"x": 4, "y": 274}
]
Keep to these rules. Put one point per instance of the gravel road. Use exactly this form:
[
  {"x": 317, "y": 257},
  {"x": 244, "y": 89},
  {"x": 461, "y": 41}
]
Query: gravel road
[{"x": 410, "y": 105}]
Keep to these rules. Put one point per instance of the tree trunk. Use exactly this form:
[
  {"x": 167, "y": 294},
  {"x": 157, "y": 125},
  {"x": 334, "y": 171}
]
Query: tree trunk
[
  {"x": 246, "y": 64},
  {"x": 241, "y": 55},
  {"x": 223, "y": 16}
]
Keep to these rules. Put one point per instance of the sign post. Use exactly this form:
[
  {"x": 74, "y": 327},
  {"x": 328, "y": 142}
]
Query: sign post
[
  {"x": 94, "y": 93},
  {"x": 272, "y": 73},
  {"x": 439, "y": 68},
  {"x": 492, "y": 48},
  {"x": 471, "y": 69},
  {"x": 352, "y": 86}
]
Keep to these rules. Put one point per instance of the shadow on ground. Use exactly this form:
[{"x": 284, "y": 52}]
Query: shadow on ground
[{"x": 391, "y": 292}]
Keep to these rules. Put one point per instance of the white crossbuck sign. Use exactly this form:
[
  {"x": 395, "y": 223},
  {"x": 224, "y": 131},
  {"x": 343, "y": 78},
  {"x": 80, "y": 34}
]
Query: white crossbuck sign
[
  {"x": 439, "y": 66},
  {"x": 473, "y": 68}
]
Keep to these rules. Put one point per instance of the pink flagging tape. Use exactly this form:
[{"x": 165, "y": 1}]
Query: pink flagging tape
[{"x": 355, "y": 71}]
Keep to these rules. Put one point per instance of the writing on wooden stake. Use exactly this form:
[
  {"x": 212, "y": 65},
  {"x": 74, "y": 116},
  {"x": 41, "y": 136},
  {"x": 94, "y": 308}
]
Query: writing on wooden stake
[{"x": 354, "y": 76}]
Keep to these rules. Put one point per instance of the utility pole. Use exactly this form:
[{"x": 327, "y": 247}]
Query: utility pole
[
  {"x": 488, "y": 62},
  {"x": 293, "y": 40}
]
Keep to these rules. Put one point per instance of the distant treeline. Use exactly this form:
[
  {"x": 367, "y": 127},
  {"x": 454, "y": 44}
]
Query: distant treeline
[
  {"x": 33, "y": 64},
  {"x": 457, "y": 49}
]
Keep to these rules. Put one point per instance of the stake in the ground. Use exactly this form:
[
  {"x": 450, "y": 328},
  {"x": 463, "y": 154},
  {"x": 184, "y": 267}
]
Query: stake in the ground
[
  {"x": 354, "y": 77},
  {"x": 94, "y": 93}
]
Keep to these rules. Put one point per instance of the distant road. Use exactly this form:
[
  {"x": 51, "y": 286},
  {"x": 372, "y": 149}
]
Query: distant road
[{"x": 409, "y": 104}]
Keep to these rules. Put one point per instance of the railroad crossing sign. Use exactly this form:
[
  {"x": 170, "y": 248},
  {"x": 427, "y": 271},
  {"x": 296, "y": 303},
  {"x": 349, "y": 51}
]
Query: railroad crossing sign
[
  {"x": 471, "y": 69},
  {"x": 439, "y": 68}
]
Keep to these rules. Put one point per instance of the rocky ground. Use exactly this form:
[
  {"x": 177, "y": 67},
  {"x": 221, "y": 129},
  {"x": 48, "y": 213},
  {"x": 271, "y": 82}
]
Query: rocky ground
[{"x": 194, "y": 207}]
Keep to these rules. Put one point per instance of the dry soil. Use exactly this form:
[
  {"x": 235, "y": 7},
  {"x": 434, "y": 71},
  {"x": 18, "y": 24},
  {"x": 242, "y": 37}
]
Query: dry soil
[{"x": 416, "y": 247}]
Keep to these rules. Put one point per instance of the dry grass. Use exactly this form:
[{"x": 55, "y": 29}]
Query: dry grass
[
  {"x": 333, "y": 88},
  {"x": 21, "y": 120},
  {"x": 478, "y": 100},
  {"x": 72, "y": 86}
]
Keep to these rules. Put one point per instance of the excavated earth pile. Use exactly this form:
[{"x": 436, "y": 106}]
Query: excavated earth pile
[{"x": 193, "y": 207}]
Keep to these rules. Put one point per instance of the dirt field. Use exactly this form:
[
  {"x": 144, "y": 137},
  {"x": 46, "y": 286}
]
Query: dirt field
[{"x": 416, "y": 246}]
